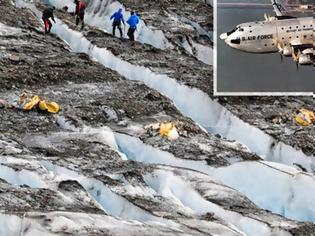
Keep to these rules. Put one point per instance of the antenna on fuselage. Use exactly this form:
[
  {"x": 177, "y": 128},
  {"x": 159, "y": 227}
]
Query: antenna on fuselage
[{"x": 267, "y": 18}]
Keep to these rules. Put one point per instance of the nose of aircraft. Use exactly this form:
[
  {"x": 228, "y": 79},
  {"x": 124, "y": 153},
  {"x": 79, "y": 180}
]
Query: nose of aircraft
[{"x": 223, "y": 36}]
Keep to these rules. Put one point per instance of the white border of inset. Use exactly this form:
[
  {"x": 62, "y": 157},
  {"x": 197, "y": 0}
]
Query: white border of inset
[{"x": 215, "y": 68}]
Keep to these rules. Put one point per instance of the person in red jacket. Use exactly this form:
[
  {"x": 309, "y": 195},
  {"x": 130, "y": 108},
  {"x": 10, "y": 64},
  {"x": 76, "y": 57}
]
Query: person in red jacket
[
  {"x": 79, "y": 12},
  {"x": 48, "y": 13}
]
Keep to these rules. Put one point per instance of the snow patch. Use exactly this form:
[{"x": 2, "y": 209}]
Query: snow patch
[
  {"x": 190, "y": 24},
  {"x": 65, "y": 124},
  {"x": 275, "y": 187},
  {"x": 72, "y": 223},
  {"x": 23, "y": 177},
  {"x": 112, "y": 203},
  {"x": 281, "y": 190},
  {"x": 8, "y": 31},
  {"x": 170, "y": 186},
  {"x": 103, "y": 134},
  {"x": 10, "y": 225},
  {"x": 197, "y": 27},
  {"x": 201, "y": 52},
  {"x": 135, "y": 150}
]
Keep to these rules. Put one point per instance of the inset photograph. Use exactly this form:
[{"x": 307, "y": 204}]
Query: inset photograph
[{"x": 264, "y": 47}]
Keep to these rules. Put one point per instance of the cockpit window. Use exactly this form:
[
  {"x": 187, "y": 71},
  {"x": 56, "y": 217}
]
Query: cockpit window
[
  {"x": 241, "y": 29},
  {"x": 231, "y": 32}
]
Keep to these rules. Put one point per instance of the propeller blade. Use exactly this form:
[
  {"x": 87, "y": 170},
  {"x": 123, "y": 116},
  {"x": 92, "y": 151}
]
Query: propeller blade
[
  {"x": 280, "y": 48},
  {"x": 295, "y": 55}
]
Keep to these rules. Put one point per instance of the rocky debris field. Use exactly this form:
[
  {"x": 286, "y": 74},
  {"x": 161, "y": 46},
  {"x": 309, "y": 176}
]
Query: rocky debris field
[{"x": 100, "y": 165}]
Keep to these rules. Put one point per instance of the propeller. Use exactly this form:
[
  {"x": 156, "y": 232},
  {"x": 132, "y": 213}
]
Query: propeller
[
  {"x": 295, "y": 55},
  {"x": 280, "y": 48},
  {"x": 268, "y": 17}
]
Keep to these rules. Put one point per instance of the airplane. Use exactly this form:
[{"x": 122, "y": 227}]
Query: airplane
[{"x": 288, "y": 35}]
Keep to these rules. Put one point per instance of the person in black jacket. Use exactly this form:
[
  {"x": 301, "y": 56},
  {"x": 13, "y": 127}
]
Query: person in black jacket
[{"x": 48, "y": 13}]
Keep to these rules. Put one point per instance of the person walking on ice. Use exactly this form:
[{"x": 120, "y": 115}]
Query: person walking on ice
[
  {"x": 118, "y": 18},
  {"x": 133, "y": 21},
  {"x": 48, "y": 13},
  {"x": 79, "y": 12}
]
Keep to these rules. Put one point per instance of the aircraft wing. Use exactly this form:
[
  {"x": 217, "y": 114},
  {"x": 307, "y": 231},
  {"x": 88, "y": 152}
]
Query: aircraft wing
[
  {"x": 300, "y": 44},
  {"x": 303, "y": 53}
]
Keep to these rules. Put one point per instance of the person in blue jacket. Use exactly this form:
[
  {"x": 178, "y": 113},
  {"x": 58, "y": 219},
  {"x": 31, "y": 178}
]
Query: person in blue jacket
[
  {"x": 133, "y": 21},
  {"x": 118, "y": 18}
]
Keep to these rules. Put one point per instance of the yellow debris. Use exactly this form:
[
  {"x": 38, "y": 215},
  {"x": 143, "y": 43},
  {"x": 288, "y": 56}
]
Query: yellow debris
[
  {"x": 42, "y": 105},
  {"x": 168, "y": 130},
  {"x": 34, "y": 101},
  {"x": 304, "y": 117},
  {"x": 165, "y": 128},
  {"x": 29, "y": 102},
  {"x": 51, "y": 107}
]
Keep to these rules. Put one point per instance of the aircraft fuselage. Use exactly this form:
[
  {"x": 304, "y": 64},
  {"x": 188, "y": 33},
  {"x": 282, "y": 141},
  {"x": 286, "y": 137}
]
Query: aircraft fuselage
[{"x": 269, "y": 36}]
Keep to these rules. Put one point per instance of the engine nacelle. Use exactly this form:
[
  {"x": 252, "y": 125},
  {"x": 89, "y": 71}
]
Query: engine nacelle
[
  {"x": 305, "y": 59},
  {"x": 287, "y": 51}
]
